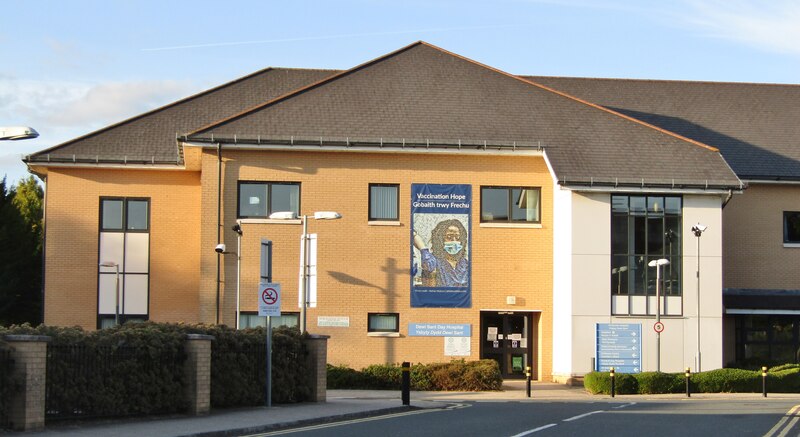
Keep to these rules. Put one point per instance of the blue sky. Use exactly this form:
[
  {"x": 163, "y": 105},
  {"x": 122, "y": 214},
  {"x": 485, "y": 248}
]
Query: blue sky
[{"x": 70, "y": 67}]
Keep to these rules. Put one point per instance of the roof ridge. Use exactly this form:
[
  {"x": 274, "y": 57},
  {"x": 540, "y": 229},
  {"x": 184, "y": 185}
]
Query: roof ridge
[
  {"x": 155, "y": 110},
  {"x": 705, "y": 82},
  {"x": 303, "y": 89}
]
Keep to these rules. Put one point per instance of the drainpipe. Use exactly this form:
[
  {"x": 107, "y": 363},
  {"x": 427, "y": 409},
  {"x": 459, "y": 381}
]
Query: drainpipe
[{"x": 219, "y": 218}]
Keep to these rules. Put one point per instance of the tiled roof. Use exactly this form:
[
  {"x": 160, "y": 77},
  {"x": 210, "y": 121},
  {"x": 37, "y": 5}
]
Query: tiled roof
[
  {"x": 755, "y": 126},
  {"x": 151, "y": 137},
  {"x": 423, "y": 92}
]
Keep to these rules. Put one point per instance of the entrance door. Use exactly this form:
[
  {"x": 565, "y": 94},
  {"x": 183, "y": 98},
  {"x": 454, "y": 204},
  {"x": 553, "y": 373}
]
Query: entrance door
[{"x": 506, "y": 337}]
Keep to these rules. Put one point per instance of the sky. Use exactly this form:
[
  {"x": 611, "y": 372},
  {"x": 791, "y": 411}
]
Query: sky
[{"x": 70, "y": 67}]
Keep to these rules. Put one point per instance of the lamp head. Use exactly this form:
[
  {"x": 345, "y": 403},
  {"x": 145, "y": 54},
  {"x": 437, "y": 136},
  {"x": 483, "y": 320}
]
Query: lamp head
[
  {"x": 327, "y": 215},
  {"x": 220, "y": 248},
  {"x": 698, "y": 229}
]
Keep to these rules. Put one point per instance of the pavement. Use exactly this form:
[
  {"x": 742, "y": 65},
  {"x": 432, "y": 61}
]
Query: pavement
[{"x": 341, "y": 405}]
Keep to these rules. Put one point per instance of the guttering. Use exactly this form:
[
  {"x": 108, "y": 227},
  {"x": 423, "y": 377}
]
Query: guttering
[
  {"x": 646, "y": 187},
  {"x": 772, "y": 181},
  {"x": 387, "y": 145}
]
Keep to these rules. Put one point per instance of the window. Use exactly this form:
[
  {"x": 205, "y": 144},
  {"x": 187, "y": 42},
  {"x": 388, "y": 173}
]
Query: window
[
  {"x": 252, "y": 320},
  {"x": 791, "y": 227},
  {"x": 643, "y": 229},
  {"x": 119, "y": 214},
  {"x": 384, "y": 202},
  {"x": 767, "y": 339},
  {"x": 124, "y": 243},
  {"x": 383, "y": 322},
  {"x": 260, "y": 199},
  {"x": 510, "y": 204}
]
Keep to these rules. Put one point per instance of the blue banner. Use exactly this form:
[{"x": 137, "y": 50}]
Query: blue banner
[{"x": 441, "y": 223}]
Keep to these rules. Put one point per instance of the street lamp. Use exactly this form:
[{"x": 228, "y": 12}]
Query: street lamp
[
  {"x": 116, "y": 288},
  {"x": 698, "y": 231},
  {"x": 14, "y": 133},
  {"x": 657, "y": 263},
  {"x": 221, "y": 249},
  {"x": 619, "y": 271},
  {"x": 291, "y": 215}
]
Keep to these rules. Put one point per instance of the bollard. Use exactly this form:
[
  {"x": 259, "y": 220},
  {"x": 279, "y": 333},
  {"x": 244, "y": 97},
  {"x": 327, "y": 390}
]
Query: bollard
[
  {"x": 613, "y": 383},
  {"x": 528, "y": 378},
  {"x": 406, "y": 383},
  {"x": 688, "y": 379},
  {"x": 764, "y": 380}
]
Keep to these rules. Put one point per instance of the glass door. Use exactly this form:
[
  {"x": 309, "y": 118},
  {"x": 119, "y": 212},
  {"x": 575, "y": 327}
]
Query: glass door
[{"x": 506, "y": 338}]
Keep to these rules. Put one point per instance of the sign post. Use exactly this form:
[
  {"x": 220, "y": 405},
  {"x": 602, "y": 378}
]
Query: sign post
[{"x": 266, "y": 278}]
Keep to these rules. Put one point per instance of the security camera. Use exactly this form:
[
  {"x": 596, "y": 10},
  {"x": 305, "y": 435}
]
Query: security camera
[
  {"x": 698, "y": 229},
  {"x": 220, "y": 248}
]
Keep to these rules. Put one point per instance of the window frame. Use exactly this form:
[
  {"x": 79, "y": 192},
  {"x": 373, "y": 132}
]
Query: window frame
[
  {"x": 396, "y": 317},
  {"x": 510, "y": 202},
  {"x": 646, "y": 216},
  {"x": 269, "y": 185},
  {"x": 786, "y": 215},
  {"x": 125, "y": 201},
  {"x": 369, "y": 203}
]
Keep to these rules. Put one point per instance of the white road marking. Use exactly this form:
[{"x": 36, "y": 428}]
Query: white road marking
[
  {"x": 581, "y": 416},
  {"x": 531, "y": 431},
  {"x": 624, "y": 405}
]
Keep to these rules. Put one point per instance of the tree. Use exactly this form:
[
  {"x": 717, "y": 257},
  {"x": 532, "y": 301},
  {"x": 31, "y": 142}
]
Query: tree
[{"x": 20, "y": 253}]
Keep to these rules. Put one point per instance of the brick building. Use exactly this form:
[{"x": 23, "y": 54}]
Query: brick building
[{"x": 552, "y": 208}]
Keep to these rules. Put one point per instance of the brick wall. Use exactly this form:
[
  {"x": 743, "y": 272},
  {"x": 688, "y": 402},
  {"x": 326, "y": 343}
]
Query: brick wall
[
  {"x": 365, "y": 268},
  {"x": 72, "y": 232},
  {"x": 754, "y": 254}
]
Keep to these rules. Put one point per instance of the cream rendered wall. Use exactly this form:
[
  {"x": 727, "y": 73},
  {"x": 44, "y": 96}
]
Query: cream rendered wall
[
  {"x": 562, "y": 284},
  {"x": 586, "y": 270}
]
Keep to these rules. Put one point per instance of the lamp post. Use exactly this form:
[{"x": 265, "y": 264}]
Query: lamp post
[
  {"x": 291, "y": 215},
  {"x": 657, "y": 263},
  {"x": 698, "y": 231},
  {"x": 116, "y": 288},
  {"x": 238, "y": 229}
]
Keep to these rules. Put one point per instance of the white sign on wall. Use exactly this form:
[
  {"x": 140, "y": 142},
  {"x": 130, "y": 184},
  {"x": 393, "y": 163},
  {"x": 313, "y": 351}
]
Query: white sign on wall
[
  {"x": 457, "y": 347},
  {"x": 333, "y": 321}
]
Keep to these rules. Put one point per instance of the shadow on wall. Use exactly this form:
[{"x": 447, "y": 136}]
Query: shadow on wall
[{"x": 389, "y": 291}]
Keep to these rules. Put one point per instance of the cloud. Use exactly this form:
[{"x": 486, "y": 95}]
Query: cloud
[
  {"x": 768, "y": 25},
  {"x": 59, "y": 104}
]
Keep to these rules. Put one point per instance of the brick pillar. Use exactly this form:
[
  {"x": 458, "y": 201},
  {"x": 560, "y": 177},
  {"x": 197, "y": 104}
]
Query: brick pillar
[
  {"x": 318, "y": 355},
  {"x": 198, "y": 373},
  {"x": 26, "y": 408}
]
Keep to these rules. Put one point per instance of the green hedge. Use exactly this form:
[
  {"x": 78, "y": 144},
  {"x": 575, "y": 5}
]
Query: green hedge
[
  {"x": 138, "y": 368},
  {"x": 780, "y": 379},
  {"x": 458, "y": 375}
]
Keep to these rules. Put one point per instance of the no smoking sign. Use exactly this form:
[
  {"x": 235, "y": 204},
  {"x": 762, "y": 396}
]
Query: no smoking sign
[{"x": 269, "y": 299}]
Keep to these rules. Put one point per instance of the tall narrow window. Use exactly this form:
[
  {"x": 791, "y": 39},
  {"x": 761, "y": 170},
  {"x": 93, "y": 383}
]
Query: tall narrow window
[
  {"x": 124, "y": 248},
  {"x": 384, "y": 202},
  {"x": 510, "y": 204},
  {"x": 645, "y": 228},
  {"x": 260, "y": 199}
]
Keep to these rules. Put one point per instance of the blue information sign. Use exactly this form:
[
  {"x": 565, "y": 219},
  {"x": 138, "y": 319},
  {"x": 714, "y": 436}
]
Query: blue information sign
[{"x": 619, "y": 345}]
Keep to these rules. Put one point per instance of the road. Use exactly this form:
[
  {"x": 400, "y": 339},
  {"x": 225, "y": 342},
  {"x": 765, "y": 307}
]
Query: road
[{"x": 675, "y": 417}]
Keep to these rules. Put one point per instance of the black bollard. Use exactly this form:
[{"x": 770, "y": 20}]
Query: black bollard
[
  {"x": 688, "y": 380},
  {"x": 764, "y": 380},
  {"x": 528, "y": 377},
  {"x": 405, "y": 385},
  {"x": 613, "y": 383}
]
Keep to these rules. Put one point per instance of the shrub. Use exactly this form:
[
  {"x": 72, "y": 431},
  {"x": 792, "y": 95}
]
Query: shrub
[
  {"x": 659, "y": 382},
  {"x": 600, "y": 383},
  {"x": 727, "y": 381},
  {"x": 456, "y": 375}
]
